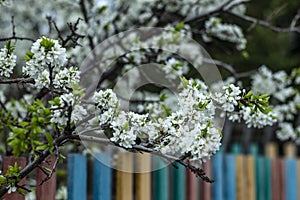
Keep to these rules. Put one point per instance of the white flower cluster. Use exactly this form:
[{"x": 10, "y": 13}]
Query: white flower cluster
[
  {"x": 7, "y": 62},
  {"x": 174, "y": 68},
  {"x": 126, "y": 127},
  {"x": 160, "y": 107},
  {"x": 253, "y": 117},
  {"x": 173, "y": 40},
  {"x": 67, "y": 78},
  {"x": 286, "y": 131},
  {"x": 257, "y": 119},
  {"x": 67, "y": 108},
  {"x": 229, "y": 98},
  {"x": 46, "y": 64},
  {"x": 106, "y": 19},
  {"x": 288, "y": 110},
  {"x": 227, "y": 32},
  {"x": 107, "y": 105},
  {"x": 191, "y": 129},
  {"x": 273, "y": 84},
  {"x": 280, "y": 86},
  {"x": 192, "y": 8}
]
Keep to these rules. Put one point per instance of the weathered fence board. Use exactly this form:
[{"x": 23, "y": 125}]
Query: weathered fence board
[
  {"x": 48, "y": 187},
  {"x": 124, "y": 177},
  {"x": 77, "y": 177},
  {"x": 102, "y": 179},
  {"x": 161, "y": 179},
  {"x": 217, "y": 164},
  {"x": 179, "y": 177},
  {"x": 143, "y": 177}
]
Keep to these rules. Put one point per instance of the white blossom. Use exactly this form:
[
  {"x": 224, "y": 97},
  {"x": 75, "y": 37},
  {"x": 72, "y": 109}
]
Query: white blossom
[
  {"x": 7, "y": 62},
  {"x": 46, "y": 64},
  {"x": 228, "y": 32},
  {"x": 61, "y": 112},
  {"x": 229, "y": 99},
  {"x": 286, "y": 131},
  {"x": 257, "y": 119},
  {"x": 174, "y": 68},
  {"x": 11, "y": 189},
  {"x": 266, "y": 82},
  {"x": 107, "y": 104},
  {"x": 67, "y": 78}
]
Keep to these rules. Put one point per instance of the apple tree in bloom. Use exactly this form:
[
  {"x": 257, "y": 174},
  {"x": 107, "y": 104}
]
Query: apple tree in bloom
[{"x": 57, "y": 84}]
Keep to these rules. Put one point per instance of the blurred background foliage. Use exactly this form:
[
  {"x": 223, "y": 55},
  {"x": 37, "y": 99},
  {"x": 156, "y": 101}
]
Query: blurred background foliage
[{"x": 278, "y": 51}]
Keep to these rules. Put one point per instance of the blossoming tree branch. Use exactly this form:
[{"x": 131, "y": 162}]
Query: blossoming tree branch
[{"x": 44, "y": 106}]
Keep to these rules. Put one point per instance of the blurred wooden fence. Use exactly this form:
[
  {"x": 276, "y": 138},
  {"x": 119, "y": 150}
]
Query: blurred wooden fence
[{"x": 237, "y": 176}]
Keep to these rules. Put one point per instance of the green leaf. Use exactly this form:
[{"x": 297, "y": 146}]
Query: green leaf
[
  {"x": 29, "y": 55},
  {"x": 249, "y": 94},
  {"x": 23, "y": 124},
  {"x": 167, "y": 110},
  {"x": 49, "y": 138},
  {"x": 47, "y": 43},
  {"x": 162, "y": 97},
  {"x": 179, "y": 26},
  {"x": 184, "y": 81},
  {"x": 61, "y": 156},
  {"x": 21, "y": 191},
  {"x": 201, "y": 106},
  {"x": 18, "y": 130},
  {"x": 101, "y": 9},
  {"x": 42, "y": 147},
  {"x": 9, "y": 47},
  {"x": 2, "y": 180},
  {"x": 264, "y": 96},
  {"x": 265, "y": 110}
]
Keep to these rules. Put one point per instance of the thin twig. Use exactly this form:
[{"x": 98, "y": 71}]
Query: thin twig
[
  {"x": 17, "y": 80},
  {"x": 228, "y": 5},
  {"x": 16, "y": 38},
  {"x": 265, "y": 23}
]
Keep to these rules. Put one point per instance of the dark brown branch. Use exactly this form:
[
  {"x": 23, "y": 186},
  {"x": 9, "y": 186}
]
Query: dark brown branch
[
  {"x": 24, "y": 188},
  {"x": 228, "y": 5},
  {"x": 49, "y": 175},
  {"x": 225, "y": 66},
  {"x": 16, "y": 38},
  {"x": 13, "y": 26},
  {"x": 229, "y": 68},
  {"x": 266, "y": 24},
  {"x": 17, "y": 80},
  {"x": 72, "y": 37},
  {"x": 31, "y": 166},
  {"x": 197, "y": 171},
  {"x": 86, "y": 19}
]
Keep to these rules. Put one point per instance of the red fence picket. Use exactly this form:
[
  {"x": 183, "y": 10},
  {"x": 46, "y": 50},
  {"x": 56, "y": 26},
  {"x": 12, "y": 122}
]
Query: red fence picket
[{"x": 47, "y": 190}]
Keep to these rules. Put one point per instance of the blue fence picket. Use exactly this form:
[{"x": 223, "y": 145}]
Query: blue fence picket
[
  {"x": 291, "y": 179},
  {"x": 225, "y": 172},
  {"x": 218, "y": 176},
  {"x": 268, "y": 178},
  {"x": 77, "y": 177},
  {"x": 179, "y": 178},
  {"x": 102, "y": 177},
  {"x": 161, "y": 179},
  {"x": 229, "y": 173}
]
